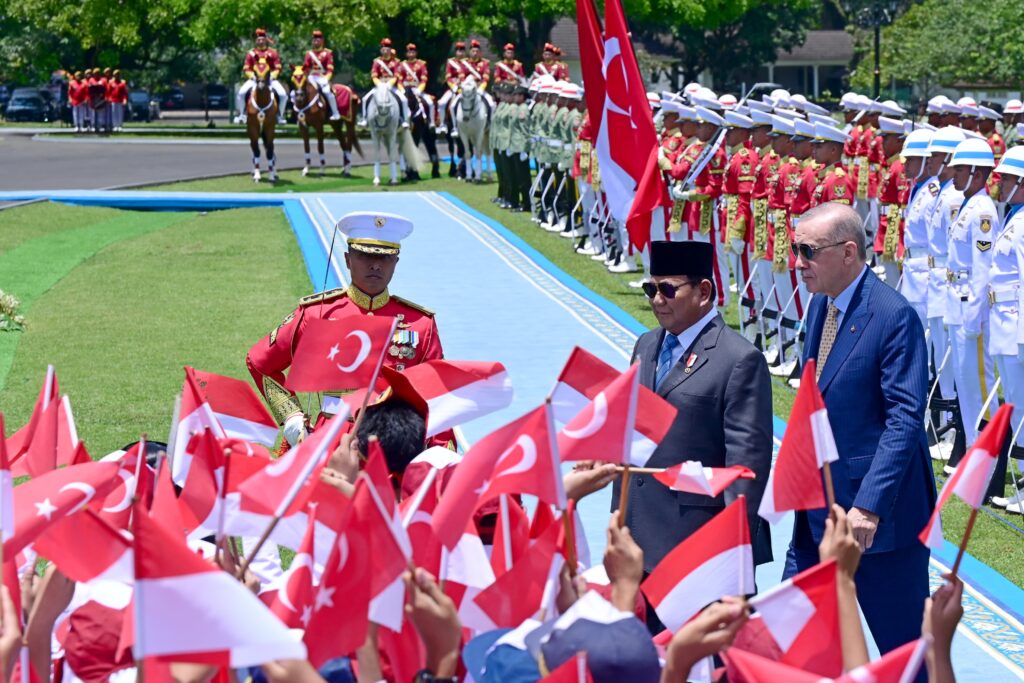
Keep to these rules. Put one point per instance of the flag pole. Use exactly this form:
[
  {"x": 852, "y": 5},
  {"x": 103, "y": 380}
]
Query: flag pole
[
  {"x": 569, "y": 523},
  {"x": 743, "y": 564},
  {"x": 624, "y": 495},
  {"x": 830, "y": 492},
  {"x": 506, "y": 530},
  {"x": 373, "y": 382},
  {"x": 219, "y": 537},
  {"x": 963, "y": 541}
]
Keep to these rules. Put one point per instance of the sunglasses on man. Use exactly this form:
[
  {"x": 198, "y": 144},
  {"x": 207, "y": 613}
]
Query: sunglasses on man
[
  {"x": 667, "y": 289},
  {"x": 808, "y": 252}
]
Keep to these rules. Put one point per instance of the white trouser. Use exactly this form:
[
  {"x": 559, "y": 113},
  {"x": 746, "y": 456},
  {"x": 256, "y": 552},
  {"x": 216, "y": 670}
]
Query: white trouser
[
  {"x": 721, "y": 266},
  {"x": 972, "y": 368},
  {"x": 324, "y": 84},
  {"x": 1012, "y": 373},
  {"x": 765, "y": 285},
  {"x": 247, "y": 87},
  {"x": 78, "y": 114},
  {"x": 403, "y": 105},
  {"x": 939, "y": 339},
  {"x": 117, "y": 110}
]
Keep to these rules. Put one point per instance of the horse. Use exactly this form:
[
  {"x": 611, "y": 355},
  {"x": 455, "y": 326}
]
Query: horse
[
  {"x": 345, "y": 128},
  {"x": 472, "y": 116},
  {"x": 382, "y": 119},
  {"x": 260, "y": 120},
  {"x": 309, "y": 112},
  {"x": 421, "y": 124}
]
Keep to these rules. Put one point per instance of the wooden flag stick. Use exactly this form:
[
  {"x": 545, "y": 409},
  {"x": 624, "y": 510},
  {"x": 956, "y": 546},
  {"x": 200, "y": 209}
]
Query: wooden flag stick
[
  {"x": 570, "y": 539},
  {"x": 830, "y": 492},
  {"x": 624, "y": 495},
  {"x": 963, "y": 541},
  {"x": 219, "y": 536},
  {"x": 642, "y": 470}
]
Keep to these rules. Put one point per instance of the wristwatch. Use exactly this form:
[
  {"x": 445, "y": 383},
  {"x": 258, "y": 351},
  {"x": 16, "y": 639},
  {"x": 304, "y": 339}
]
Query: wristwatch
[{"x": 425, "y": 676}]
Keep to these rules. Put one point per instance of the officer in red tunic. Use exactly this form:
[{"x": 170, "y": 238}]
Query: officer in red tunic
[
  {"x": 893, "y": 190},
  {"x": 374, "y": 240},
  {"x": 547, "y": 67},
  {"x": 476, "y": 67},
  {"x": 834, "y": 184},
  {"x": 262, "y": 54},
  {"x": 454, "y": 73},
  {"x": 509, "y": 69},
  {"x": 77, "y": 95},
  {"x": 412, "y": 72},
  {"x": 319, "y": 64},
  {"x": 385, "y": 69},
  {"x": 117, "y": 96},
  {"x": 561, "y": 68},
  {"x": 735, "y": 211}
]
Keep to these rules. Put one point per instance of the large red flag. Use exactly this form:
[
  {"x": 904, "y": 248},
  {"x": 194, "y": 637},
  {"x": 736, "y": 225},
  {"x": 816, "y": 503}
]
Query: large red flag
[
  {"x": 649, "y": 213},
  {"x": 591, "y": 59},
  {"x": 335, "y": 355},
  {"x": 19, "y": 441},
  {"x": 521, "y": 457}
]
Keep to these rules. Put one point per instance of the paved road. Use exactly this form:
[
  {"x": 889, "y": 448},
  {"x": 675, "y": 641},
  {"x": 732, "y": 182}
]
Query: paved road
[{"x": 27, "y": 164}]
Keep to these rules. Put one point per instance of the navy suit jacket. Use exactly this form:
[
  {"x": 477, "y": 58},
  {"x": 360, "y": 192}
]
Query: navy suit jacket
[{"x": 875, "y": 386}]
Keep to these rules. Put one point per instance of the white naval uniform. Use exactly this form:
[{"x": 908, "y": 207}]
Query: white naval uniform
[
  {"x": 944, "y": 209},
  {"x": 1006, "y": 325}
]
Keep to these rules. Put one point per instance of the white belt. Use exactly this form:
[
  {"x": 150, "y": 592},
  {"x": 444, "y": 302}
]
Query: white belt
[
  {"x": 917, "y": 263},
  {"x": 937, "y": 261},
  {"x": 1002, "y": 295}
]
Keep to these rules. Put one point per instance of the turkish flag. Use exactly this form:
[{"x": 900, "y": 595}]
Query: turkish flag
[
  {"x": 335, "y": 355},
  {"x": 194, "y": 415},
  {"x": 290, "y": 597},
  {"x": 54, "y": 441},
  {"x": 19, "y": 441},
  {"x": 511, "y": 534},
  {"x": 134, "y": 476},
  {"x": 604, "y": 429},
  {"x": 520, "y": 457}
]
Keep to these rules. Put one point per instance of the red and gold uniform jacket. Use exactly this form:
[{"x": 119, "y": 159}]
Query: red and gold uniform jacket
[
  {"x": 454, "y": 73},
  {"x": 416, "y": 339},
  {"x": 802, "y": 199},
  {"x": 117, "y": 91},
  {"x": 834, "y": 184},
  {"x": 479, "y": 69},
  {"x": 268, "y": 57},
  {"x": 697, "y": 214},
  {"x": 867, "y": 165},
  {"x": 893, "y": 192},
  {"x": 96, "y": 87},
  {"x": 556, "y": 70},
  {"x": 412, "y": 73},
  {"x": 737, "y": 187},
  {"x": 384, "y": 70},
  {"x": 765, "y": 180},
  {"x": 78, "y": 92},
  {"x": 319, "y": 62},
  {"x": 508, "y": 71},
  {"x": 585, "y": 159}
]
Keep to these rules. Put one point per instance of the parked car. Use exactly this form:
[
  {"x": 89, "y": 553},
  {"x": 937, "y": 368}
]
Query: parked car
[
  {"x": 27, "y": 104},
  {"x": 173, "y": 98},
  {"x": 142, "y": 106},
  {"x": 217, "y": 96}
]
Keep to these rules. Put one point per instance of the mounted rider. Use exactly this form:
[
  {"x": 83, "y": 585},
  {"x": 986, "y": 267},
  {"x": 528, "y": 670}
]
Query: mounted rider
[
  {"x": 454, "y": 73},
  {"x": 550, "y": 67},
  {"x": 477, "y": 67},
  {"x": 319, "y": 65},
  {"x": 386, "y": 70},
  {"x": 262, "y": 54},
  {"x": 509, "y": 69},
  {"x": 412, "y": 72}
]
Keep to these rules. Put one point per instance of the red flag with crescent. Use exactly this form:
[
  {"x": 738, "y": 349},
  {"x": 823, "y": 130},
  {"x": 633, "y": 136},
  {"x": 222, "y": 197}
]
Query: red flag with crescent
[
  {"x": 604, "y": 429},
  {"x": 335, "y": 355}
]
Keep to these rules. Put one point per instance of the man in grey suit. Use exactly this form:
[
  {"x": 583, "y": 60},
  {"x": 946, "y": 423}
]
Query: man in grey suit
[{"x": 720, "y": 384}]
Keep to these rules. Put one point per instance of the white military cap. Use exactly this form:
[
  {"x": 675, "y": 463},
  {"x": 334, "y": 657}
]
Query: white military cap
[
  {"x": 951, "y": 107},
  {"x": 789, "y": 114},
  {"x": 760, "y": 118},
  {"x": 927, "y": 126},
  {"x": 757, "y": 105},
  {"x": 706, "y": 98},
  {"x": 798, "y": 100},
  {"x": 654, "y": 100},
  {"x": 691, "y": 88},
  {"x": 572, "y": 91},
  {"x": 891, "y": 126},
  {"x": 1013, "y": 106},
  {"x": 968, "y": 134},
  {"x": 742, "y": 109},
  {"x": 916, "y": 144},
  {"x": 804, "y": 129},
  {"x": 736, "y": 120},
  {"x": 818, "y": 118},
  {"x": 973, "y": 152},
  {"x": 1012, "y": 162},
  {"x": 850, "y": 102},
  {"x": 669, "y": 107},
  {"x": 782, "y": 126},
  {"x": 868, "y": 104},
  {"x": 890, "y": 108},
  {"x": 909, "y": 125},
  {"x": 374, "y": 233},
  {"x": 989, "y": 113},
  {"x": 966, "y": 101},
  {"x": 686, "y": 113},
  {"x": 705, "y": 115},
  {"x": 812, "y": 108},
  {"x": 826, "y": 133},
  {"x": 669, "y": 95},
  {"x": 728, "y": 101},
  {"x": 937, "y": 104},
  {"x": 945, "y": 140}
]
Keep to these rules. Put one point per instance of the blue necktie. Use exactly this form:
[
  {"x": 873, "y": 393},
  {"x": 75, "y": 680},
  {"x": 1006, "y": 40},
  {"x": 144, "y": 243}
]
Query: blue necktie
[{"x": 665, "y": 357}]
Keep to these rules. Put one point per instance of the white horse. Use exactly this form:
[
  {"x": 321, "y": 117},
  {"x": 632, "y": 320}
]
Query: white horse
[
  {"x": 382, "y": 119},
  {"x": 472, "y": 115}
]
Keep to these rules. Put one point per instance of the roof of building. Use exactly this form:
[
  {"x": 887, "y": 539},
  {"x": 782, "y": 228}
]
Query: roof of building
[{"x": 820, "y": 46}]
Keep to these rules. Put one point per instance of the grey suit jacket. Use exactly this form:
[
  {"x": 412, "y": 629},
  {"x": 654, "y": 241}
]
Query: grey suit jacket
[{"x": 724, "y": 419}]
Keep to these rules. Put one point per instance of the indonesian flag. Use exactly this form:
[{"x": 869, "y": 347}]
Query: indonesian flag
[
  {"x": 284, "y": 485},
  {"x": 585, "y": 376},
  {"x": 692, "y": 477},
  {"x": 970, "y": 481},
  {"x": 626, "y": 136},
  {"x": 335, "y": 355},
  {"x": 604, "y": 429},
  {"x": 236, "y": 406},
  {"x": 290, "y": 596},
  {"x": 802, "y": 615},
  {"x": 41, "y": 501},
  {"x": 459, "y": 391},
  {"x": 387, "y": 605},
  {"x": 195, "y": 415},
  {"x": 188, "y": 610},
  {"x": 6, "y": 489},
  {"x": 85, "y": 548},
  {"x": 520, "y": 457},
  {"x": 715, "y": 561},
  {"x": 795, "y": 482},
  {"x": 19, "y": 441},
  {"x": 897, "y": 666}
]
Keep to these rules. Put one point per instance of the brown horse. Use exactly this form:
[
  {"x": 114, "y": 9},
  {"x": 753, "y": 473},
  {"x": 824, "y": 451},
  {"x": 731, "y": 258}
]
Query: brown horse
[
  {"x": 309, "y": 112},
  {"x": 345, "y": 129},
  {"x": 260, "y": 121}
]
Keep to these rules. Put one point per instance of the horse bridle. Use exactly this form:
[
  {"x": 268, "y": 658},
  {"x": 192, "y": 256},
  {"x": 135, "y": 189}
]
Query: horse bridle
[
  {"x": 300, "y": 114},
  {"x": 466, "y": 114}
]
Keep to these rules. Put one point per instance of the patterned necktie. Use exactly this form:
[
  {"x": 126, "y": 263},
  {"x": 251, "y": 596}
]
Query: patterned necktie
[
  {"x": 828, "y": 337},
  {"x": 665, "y": 357}
]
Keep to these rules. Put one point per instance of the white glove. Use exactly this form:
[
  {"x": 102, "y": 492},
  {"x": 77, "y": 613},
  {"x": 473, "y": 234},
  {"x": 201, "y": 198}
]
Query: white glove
[
  {"x": 680, "y": 194},
  {"x": 294, "y": 428},
  {"x": 738, "y": 246},
  {"x": 561, "y": 166},
  {"x": 523, "y": 156}
]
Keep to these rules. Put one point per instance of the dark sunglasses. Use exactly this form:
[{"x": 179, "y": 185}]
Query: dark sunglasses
[
  {"x": 808, "y": 252},
  {"x": 667, "y": 290}
]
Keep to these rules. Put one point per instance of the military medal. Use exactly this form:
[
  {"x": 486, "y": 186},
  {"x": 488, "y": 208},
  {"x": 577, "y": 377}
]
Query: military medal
[{"x": 394, "y": 351}]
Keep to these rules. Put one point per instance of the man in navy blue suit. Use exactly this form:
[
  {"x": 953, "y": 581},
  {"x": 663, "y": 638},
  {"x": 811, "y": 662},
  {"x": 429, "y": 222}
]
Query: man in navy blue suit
[{"x": 873, "y": 373}]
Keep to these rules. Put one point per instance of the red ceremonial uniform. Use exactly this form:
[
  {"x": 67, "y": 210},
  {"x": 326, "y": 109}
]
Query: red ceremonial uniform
[
  {"x": 852, "y": 145},
  {"x": 556, "y": 70},
  {"x": 256, "y": 56},
  {"x": 416, "y": 339},
  {"x": 508, "y": 71},
  {"x": 77, "y": 92},
  {"x": 97, "y": 89},
  {"x": 737, "y": 187},
  {"x": 782, "y": 198},
  {"x": 585, "y": 160},
  {"x": 117, "y": 91},
  {"x": 834, "y": 184},
  {"x": 765, "y": 180},
  {"x": 319, "y": 62},
  {"x": 893, "y": 192},
  {"x": 479, "y": 69},
  {"x": 384, "y": 70},
  {"x": 412, "y": 73},
  {"x": 866, "y": 165},
  {"x": 697, "y": 213},
  {"x": 454, "y": 73}
]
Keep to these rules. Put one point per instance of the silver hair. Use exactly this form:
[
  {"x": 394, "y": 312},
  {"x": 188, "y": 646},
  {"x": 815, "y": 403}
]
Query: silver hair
[{"x": 845, "y": 225}]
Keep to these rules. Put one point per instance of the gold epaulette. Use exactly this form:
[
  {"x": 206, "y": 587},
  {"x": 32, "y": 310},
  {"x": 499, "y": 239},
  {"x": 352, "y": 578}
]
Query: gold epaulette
[
  {"x": 421, "y": 309},
  {"x": 322, "y": 297}
]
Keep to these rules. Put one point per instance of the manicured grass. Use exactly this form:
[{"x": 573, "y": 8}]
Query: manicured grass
[{"x": 198, "y": 290}]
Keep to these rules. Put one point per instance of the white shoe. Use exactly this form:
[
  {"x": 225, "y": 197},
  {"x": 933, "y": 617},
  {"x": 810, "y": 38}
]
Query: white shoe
[
  {"x": 335, "y": 117},
  {"x": 1015, "y": 499},
  {"x": 281, "y": 121},
  {"x": 733, "y": 287},
  {"x": 626, "y": 265},
  {"x": 361, "y": 123},
  {"x": 941, "y": 451},
  {"x": 879, "y": 271},
  {"x": 240, "y": 118},
  {"x": 771, "y": 354},
  {"x": 783, "y": 370},
  {"x": 569, "y": 233},
  {"x": 405, "y": 124},
  {"x": 552, "y": 227},
  {"x": 599, "y": 256},
  {"x": 440, "y": 130},
  {"x": 636, "y": 284},
  {"x": 949, "y": 471}
]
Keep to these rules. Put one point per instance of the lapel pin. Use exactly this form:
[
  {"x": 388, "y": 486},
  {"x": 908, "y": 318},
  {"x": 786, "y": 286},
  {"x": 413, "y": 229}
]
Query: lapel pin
[
  {"x": 689, "y": 363},
  {"x": 853, "y": 328}
]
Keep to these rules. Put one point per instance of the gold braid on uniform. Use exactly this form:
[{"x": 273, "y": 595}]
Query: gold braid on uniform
[
  {"x": 737, "y": 224},
  {"x": 862, "y": 179},
  {"x": 281, "y": 401},
  {"x": 892, "y": 232},
  {"x": 705, "y": 208},
  {"x": 780, "y": 257},
  {"x": 675, "y": 223},
  {"x": 759, "y": 209}
]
